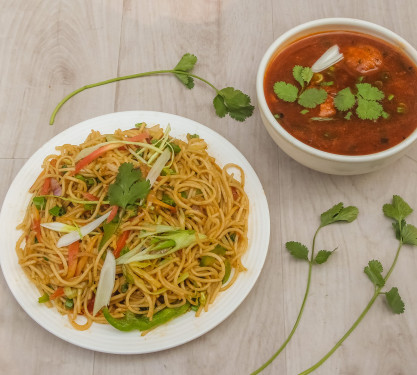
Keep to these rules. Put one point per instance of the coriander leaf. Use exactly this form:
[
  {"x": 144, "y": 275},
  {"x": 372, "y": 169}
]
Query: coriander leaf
[
  {"x": 322, "y": 256},
  {"x": 368, "y": 109},
  {"x": 409, "y": 234},
  {"x": 129, "y": 186},
  {"x": 297, "y": 250},
  {"x": 374, "y": 271},
  {"x": 348, "y": 214},
  {"x": 398, "y": 210},
  {"x": 186, "y": 64},
  {"x": 296, "y": 72},
  {"x": 344, "y": 99},
  {"x": 338, "y": 213},
  {"x": 394, "y": 301},
  {"x": 307, "y": 74},
  {"x": 328, "y": 217},
  {"x": 310, "y": 98},
  {"x": 369, "y": 92},
  {"x": 236, "y": 103},
  {"x": 219, "y": 106},
  {"x": 286, "y": 91}
]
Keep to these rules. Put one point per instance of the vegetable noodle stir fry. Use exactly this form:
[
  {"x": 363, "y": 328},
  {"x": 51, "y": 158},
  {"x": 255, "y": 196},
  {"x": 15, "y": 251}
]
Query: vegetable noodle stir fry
[{"x": 133, "y": 229}]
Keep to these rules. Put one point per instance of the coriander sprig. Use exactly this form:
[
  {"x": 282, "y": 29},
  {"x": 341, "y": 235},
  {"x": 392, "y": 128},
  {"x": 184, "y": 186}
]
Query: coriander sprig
[
  {"x": 367, "y": 99},
  {"x": 309, "y": 98},
  {"x": 406, "y": 234},
  {"x": 337, "y": 213},
  {"x": 227, "y": 101}
]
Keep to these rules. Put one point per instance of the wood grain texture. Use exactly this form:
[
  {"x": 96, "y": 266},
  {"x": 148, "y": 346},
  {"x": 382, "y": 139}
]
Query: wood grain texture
[{"x": 50, "y": 48}]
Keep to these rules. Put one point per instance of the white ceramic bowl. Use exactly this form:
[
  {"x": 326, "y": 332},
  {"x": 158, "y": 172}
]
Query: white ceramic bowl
[{"x": 311, "y": 157}]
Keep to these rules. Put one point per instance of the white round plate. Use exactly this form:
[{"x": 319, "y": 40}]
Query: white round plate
[{"x": 105, "y": 338}]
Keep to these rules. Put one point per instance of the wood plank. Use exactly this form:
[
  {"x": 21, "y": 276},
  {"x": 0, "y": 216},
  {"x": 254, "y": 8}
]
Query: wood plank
[{"x": 48, "y": 49}]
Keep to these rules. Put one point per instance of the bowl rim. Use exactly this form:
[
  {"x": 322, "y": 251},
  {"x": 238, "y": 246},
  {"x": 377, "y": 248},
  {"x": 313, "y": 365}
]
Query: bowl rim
[{"x": 383, "y": 33}]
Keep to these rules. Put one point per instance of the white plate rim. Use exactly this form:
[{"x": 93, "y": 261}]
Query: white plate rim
[{"x": 171, "y": 334}]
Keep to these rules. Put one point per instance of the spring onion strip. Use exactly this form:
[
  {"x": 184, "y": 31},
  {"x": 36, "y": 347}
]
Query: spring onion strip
[
  {"x": 161, "y": 146},
  {"x": 59, "y": 227},
  {"x": 87, "y": 151},
  {"x": 75, "y": 200},
  {"x": 106, "y": 282},
  {"x": 158, "y": 166},
  {"x": 76, "y": 235},
  {"x": 329, "y": 58},
  {"x": 136, "y": 156}
]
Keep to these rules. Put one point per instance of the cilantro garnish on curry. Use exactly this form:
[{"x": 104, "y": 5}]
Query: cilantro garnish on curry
[{"x": 343, "y": 92}]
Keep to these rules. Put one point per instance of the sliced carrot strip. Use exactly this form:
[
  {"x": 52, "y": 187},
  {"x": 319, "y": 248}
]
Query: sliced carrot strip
[{"x": 121, "y": 242}]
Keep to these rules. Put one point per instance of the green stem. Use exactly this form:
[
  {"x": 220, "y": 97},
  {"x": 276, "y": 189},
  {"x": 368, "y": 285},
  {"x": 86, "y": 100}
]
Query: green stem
[
  {"x": 282, "y": 347},
  {"x": 357, "y": 321},
  {"x": 155, "y": 72}
]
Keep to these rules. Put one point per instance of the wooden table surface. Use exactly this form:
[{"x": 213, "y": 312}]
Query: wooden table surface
[{"x": 50, "y": 48}]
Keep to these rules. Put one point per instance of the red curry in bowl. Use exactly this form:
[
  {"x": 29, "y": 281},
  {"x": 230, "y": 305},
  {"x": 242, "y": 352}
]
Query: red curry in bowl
[{"x": 378, "y": 78}]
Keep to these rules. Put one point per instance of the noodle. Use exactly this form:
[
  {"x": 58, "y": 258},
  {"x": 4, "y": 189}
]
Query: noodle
[{"x": 198, "y": 196}]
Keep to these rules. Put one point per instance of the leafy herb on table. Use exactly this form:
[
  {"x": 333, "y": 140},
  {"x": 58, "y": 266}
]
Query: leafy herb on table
[
  {"x": 406, "y": 234},
  {"x": 227, "y": 101},
  {"x": 337, "y": 213}
]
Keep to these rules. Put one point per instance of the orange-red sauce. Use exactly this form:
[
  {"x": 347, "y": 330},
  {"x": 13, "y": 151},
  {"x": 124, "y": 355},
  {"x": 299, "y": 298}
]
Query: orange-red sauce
[{"x": 388, "y": 68}]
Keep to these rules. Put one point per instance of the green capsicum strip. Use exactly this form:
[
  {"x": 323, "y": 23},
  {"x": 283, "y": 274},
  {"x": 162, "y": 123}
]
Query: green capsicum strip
[{"x": 132, "y": 321}]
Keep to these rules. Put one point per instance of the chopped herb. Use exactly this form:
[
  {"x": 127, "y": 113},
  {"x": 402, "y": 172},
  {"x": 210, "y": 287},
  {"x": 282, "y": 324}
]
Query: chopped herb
[
  {"x": 168, "y": 200},
  {"x": 139, "y": 124},
  {"x": 45, "y": 258},
  {"x": 390, "y": 97},
  {"x": 329, "y": 83},
  {"x": 39, "y": 202},
  {"x": 348, "y": 115},
  {"x": 304, "y": 111},
  {"x": 385, "y": 115},
  {"x": 57, "y": 211},
  {"x": 277, "y": 115},
  {"x": 124, "y": 288},
  {"x": 360, "y": 79},
  {"x": 175, "y": 147},
  {"x": 89, "y": 207},
  {"x": 167, "y": 171},
  {"x": 69, "y": 304},
  {"x": 192, "y": 136},
  {"x": 184, "y": 194},
  {"x": 44, "y": 298}
]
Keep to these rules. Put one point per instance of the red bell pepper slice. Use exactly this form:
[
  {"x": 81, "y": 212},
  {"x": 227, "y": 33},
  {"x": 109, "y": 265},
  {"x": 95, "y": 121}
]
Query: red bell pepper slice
[
  {"x": 121, "y": 242},
  {"x": 94, "y": 155},
  {"x": 46, "y": 186},
  {"x": 90, "y": 197},
  {"x": 73, "y": 250},
  {"x": 58, "y": 293},
  {"x": 113, "y": 214}
]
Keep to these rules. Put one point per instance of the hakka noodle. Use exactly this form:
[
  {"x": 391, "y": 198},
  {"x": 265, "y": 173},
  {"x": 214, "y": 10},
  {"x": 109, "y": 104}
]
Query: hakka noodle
[{"x": 174, "y": 221}]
